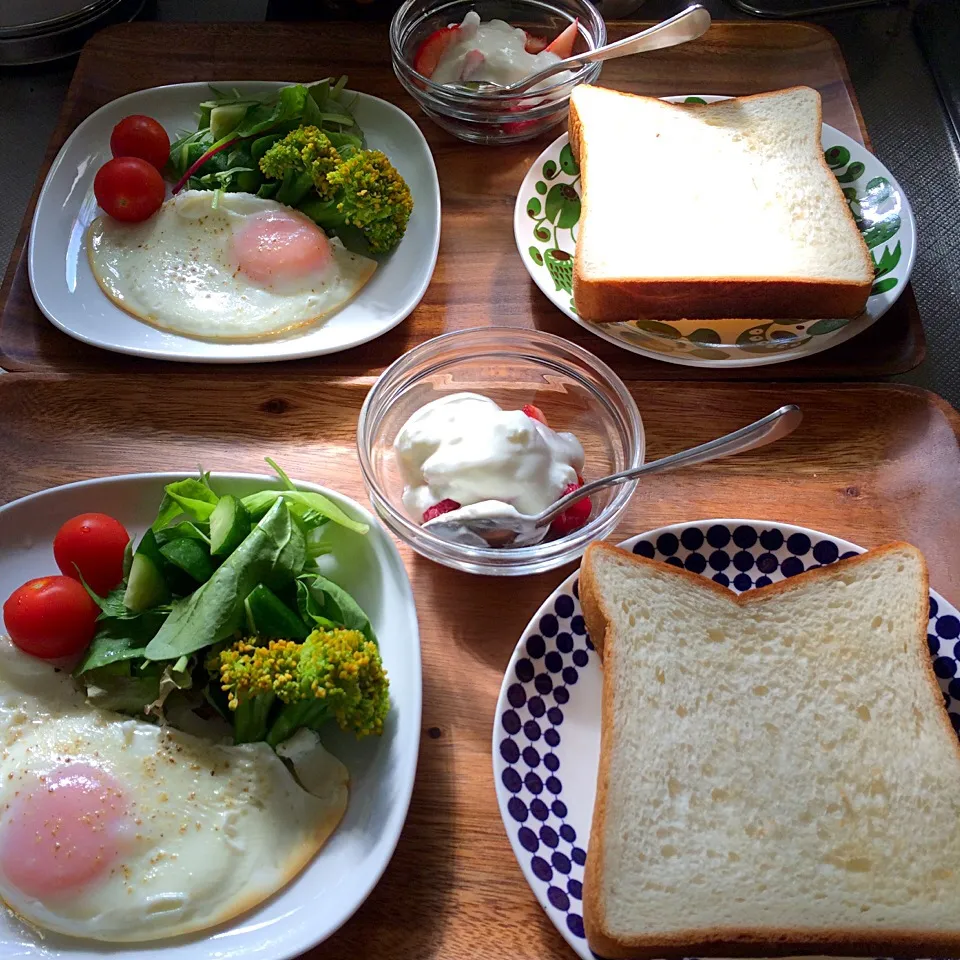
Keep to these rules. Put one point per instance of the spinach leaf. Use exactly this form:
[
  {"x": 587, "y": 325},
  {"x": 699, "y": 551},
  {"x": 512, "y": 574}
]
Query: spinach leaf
[
  {"x": 274, "y": 550},
  {"x": 194, "y": 497},
  {"x": 119, "y": 639},
  {"x": 180, "y": 531},
  {"x": 326, "y": 604},
  {"x": 314, "y": 509},
  {"x": 264, "y": 116},
  {"x": 191, "y": 556},
  {"x": 288, "y": 484},
  {"x": 112, "y": 604}
]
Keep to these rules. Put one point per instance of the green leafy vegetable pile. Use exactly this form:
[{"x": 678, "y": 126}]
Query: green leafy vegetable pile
[
  {"x": 223, "y": 607},
  {"x": 302, "y": 147}
]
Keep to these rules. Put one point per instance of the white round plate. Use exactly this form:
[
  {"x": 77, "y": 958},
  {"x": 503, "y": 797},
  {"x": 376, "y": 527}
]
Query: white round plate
[
  {"x": 546, "y": 733},
  {"x": 382, "y": 769},
  {"x": 68, "y": 294},
  {"x": 545, "y": 222}
]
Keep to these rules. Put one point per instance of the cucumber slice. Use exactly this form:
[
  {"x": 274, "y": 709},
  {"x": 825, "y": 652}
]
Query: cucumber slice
[
  {"x": 146, "y": 585},
  {"x": 248, "y": 181},
  {"x": 270, "y": 618},
  {"x": 190, "y": 555},
  {"x": 229, "y": 525},
  {"x": 225, "y": 119}
]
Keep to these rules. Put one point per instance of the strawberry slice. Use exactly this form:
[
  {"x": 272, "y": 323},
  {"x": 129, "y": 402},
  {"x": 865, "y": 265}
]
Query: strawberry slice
[
  {"x": 432, "y": 49},
  {"x": 562, "y": 44},
  {"x": 534, "y": 413},
  {"x": 575, "y": 516},
  {"x": 438, "y": 509},
  {"x": 533, "y": 43},
  {"x": 473, "y": 62}
]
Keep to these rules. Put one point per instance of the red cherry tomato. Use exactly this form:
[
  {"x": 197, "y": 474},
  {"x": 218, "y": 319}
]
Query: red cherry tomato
[
  {"x": 93, "y": 543},
  {"x": 129, "y": 189},
  {"x": 143, "y": 137},
  {"x": 51, "y": 617}
]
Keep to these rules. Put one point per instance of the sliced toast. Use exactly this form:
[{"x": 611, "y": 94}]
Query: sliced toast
[
  {"x": 778, "y": 772},
  {"x": 716, "y": 210}
]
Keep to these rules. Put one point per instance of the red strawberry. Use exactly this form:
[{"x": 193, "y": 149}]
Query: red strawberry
[
  {"x": 562, "y": 44},
  {"x": 438, "y": 509},
  {"x": 534, "y": 413},
  {"x": 432, "y": 49},
  {"x": 518, "y": 126},
  {"x": 575, "y": 516},
  {"x": 534, "y": 44}
]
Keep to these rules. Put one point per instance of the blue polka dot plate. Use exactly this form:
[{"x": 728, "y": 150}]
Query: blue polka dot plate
[{"x": 546, "y": 735}]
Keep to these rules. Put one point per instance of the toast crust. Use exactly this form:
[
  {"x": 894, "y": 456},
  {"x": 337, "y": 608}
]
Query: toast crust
[
  {"x": 611, "y": 300},
  {"x": 732, "y": 941}
]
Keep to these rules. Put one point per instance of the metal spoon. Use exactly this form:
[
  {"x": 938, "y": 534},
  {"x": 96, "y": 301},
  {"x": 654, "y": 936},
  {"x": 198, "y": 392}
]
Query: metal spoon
[
  {"x": 686, "y": 25},
  {"x": 493, "y": 523}
]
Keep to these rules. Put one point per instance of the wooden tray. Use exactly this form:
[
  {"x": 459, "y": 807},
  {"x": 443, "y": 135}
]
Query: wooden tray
[
  {"x": 870, "y": 463},
  {"x": 480, "y": 278}
]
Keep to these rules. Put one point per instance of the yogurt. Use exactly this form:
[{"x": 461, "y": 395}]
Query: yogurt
[
  {"x": 492, "y": 52},
  {"x": 463, "y": 447}
]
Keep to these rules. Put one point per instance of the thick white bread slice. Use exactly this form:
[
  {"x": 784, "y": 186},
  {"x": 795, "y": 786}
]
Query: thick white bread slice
[
  {"x": 778, "y": 774},
  {"x": 720, "y": 210}
]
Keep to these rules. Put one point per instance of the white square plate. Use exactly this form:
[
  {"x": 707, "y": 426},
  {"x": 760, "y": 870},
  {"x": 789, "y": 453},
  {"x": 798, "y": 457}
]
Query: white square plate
[
  {"x": 68, "y": 294},
  {"x": 339, "y": 878}
]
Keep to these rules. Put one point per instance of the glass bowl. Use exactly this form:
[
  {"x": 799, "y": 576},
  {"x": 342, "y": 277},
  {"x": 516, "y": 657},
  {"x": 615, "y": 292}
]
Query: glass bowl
[
  {"x": 493, "y": 118},
  {"x": 577, "y": 393}
]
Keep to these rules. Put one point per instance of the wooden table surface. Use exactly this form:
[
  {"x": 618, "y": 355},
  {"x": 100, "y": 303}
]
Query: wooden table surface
[
  {"x": 480, "y": 278},
  {"x": 871, "y": 463}
]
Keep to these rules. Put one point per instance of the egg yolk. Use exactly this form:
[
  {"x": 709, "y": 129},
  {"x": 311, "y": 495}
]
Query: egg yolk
[
  {"x": 64, "y": 833},
  {"x": 276, "y": 246}
]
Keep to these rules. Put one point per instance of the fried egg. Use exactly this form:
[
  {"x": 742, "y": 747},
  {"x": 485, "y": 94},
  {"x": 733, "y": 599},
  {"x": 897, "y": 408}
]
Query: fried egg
[
  {"x": 112, "y": 828},
  {"x": 224, "y": 266}
]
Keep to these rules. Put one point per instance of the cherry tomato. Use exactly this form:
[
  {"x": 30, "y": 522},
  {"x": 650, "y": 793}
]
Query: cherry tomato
[
  {"x": 129, "y": 189},
  {"x": 143, "y": 137},
  {"x": 94, "y": 543},
  {"x": 51, "y": 617}
]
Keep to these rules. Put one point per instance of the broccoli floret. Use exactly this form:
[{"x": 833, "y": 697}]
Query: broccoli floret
[
  {"x": 361, "y": 195},
  {"x": 275, "y": 689},
  {"x": 303, "y": 159},
  {"x": 369, "y": 196}
]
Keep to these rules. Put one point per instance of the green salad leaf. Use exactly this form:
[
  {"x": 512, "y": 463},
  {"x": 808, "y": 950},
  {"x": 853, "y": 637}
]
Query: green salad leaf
[
  {"x": 121, "y": 638},
  {"x": 242, "y": 574},
  {"x": 273, "y": 551},
  {"x": 313, "y": 509},
  {"x": 122, "y": 686},
  {"x": 325, "y": 603}
]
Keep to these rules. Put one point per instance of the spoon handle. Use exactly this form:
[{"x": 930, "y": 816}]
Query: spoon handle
[
  {"x": 687, "y": 25},
  {"x": 772, "y": 427}
]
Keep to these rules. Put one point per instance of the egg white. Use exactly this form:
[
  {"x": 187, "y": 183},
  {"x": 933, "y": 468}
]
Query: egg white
[
  {"x": 219, "y": 828},
  {"x": 175, "y": 271}
]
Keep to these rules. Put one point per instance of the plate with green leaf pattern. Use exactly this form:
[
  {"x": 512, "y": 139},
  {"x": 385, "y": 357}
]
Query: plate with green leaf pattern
[{"x": 545, "y": 223}]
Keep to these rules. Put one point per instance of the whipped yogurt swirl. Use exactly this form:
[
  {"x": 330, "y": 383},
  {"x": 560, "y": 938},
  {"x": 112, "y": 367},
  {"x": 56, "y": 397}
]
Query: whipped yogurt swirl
[{"x": 464, "y": 447}]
